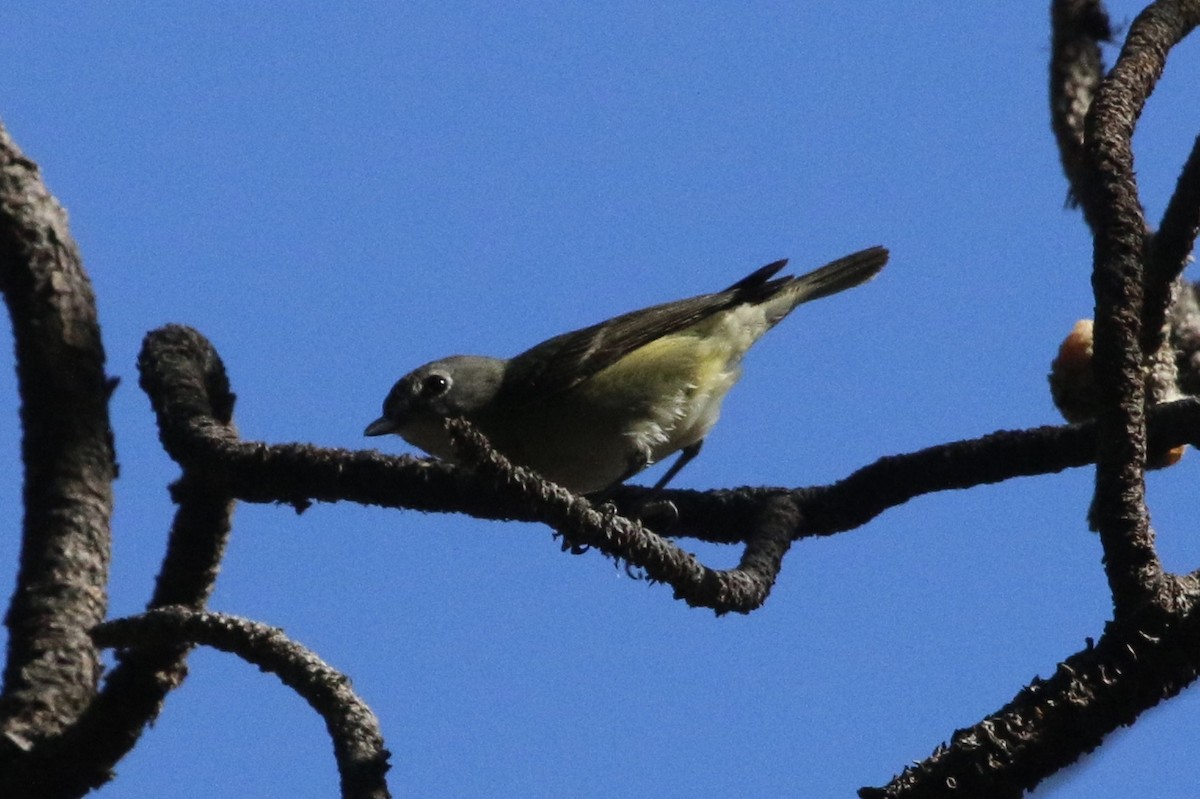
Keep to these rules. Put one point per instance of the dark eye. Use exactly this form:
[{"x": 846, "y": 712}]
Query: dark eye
[{"x": 435, "y": 385}]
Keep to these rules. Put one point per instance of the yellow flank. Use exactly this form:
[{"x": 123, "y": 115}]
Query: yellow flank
[
  {"x": 657, "y": 368},
  {"x": 673, "y": 386}
]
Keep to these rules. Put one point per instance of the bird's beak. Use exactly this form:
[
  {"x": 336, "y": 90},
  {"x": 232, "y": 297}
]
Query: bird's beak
[{"x": 380, "y": 427}]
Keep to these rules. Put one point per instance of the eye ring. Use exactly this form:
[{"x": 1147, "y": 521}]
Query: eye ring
[{"x": 435, "y": 385}]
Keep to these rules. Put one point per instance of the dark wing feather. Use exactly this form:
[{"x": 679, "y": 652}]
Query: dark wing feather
[
  {"x": 567, "y": 360},
  {"x": 759, "y": 276}
]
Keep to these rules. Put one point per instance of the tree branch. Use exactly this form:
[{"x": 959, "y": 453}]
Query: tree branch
[
  {"x": 358, "y": 746},
  {"x": 82, "y": 758},
  {"x": 741, "y": 589},
  {"x": 176, "y": 363},
  {"x": 1149, "y": 656},
  {"x": 1076, "y": 66},
  {"x": 1173, "y": 243},
  {"x": 52, "y": 667},
  {"x": 1110, "y": 200}
]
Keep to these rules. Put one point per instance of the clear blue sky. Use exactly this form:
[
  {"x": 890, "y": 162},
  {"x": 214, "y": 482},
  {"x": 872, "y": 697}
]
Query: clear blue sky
[{"x": 335, "y": 195}]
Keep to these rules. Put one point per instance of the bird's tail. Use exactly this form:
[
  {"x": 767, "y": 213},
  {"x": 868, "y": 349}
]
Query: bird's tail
[
  {"x": 781, "y": 295},
  {"x": 844, "y": 273}
]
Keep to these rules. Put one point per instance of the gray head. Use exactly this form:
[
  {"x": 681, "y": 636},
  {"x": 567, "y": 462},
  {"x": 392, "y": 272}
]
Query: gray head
[{"x": 419, "y": 402}]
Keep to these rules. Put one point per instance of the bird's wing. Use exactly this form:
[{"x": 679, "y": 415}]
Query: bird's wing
[{"x": 567, "y": 360}]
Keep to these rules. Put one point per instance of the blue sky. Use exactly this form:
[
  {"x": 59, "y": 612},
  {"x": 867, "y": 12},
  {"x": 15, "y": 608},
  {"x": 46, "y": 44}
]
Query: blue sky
[{"x": 334, "y": 196}]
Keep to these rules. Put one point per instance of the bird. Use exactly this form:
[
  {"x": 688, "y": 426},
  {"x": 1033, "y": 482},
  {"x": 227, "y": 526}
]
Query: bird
[{"x": 591, "y": 408}]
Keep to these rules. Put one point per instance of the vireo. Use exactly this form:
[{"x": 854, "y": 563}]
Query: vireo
[{"x": 591, "y": 408}]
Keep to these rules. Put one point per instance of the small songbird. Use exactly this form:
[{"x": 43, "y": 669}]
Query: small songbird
[{"x": 591, "y": 408}]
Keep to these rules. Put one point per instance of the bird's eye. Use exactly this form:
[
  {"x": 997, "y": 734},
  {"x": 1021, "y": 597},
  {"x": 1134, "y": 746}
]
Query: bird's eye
[{"x": 435, "y": 385}]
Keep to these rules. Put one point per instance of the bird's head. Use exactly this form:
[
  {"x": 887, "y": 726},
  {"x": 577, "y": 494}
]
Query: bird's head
[{"x": 419, "y": 403}]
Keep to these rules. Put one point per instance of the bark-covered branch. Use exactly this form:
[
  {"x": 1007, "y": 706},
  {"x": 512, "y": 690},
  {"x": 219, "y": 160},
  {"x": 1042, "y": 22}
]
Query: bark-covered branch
[
  {"x": 60, "y": 737},
  {"x": 1149, "y": 651},
  {"x": 1110, "y": 197},
  {"x": 1173, "y": 243},
  {"x": 358, "y": 747},
  {"x": 1139, "y": 661},
  {"x": 178, "y": 363},
  {"x": 1076, "y": 66},
  {"x": 61, "y": 593},
  {"x": 83, "y": 757}
]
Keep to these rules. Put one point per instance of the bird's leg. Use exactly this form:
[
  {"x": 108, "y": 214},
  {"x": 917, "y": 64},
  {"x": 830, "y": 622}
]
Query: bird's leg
[
  {"x": 656, "y": 514},
  {"x": 661, "y": 514},
  {"x": 685, "y": 457}
]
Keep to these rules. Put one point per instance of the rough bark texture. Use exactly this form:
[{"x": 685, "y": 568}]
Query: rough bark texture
[
  {"x": 52, "y": 668},
  {"x": 60, "y": 737}
]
